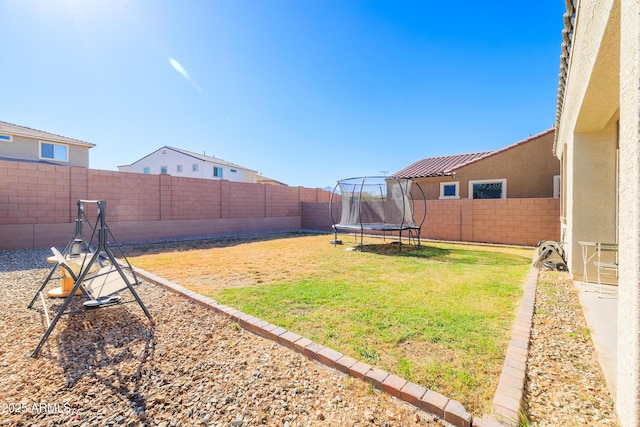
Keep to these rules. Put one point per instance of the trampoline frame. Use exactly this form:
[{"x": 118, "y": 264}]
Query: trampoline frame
[{"x": 381, "y": 226}]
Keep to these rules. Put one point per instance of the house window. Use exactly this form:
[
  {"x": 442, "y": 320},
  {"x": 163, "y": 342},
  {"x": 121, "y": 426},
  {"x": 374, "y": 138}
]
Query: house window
[
  {"x": 217, "y": 172},
  {"x": 147, "y": 170},
  {"x": 52, "y": 151},
  {"x": 449, "y": 190},
  {"x": 6, "y": 138},
  {"x": 163, "y": 170},
  {"x": 179, "y": 168},
  {"x": 556, "y": 186},
  {"x": 194, "y": 168},
  {"x": 488, "y": 189}
]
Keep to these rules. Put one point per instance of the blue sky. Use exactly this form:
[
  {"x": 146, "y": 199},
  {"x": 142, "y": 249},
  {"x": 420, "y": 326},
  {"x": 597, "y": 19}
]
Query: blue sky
[{"x": 304, "y": 91}]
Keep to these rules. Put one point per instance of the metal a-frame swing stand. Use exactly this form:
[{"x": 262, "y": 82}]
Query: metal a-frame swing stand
[
  {"x": 78, "y": 238},
  {"x": 97, "y": 287}
]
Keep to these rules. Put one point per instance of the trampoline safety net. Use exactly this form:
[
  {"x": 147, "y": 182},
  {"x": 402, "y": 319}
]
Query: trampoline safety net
[{"x": 378, "y": 203}]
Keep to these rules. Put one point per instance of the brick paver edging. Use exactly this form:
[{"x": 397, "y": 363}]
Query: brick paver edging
[{"x": 508, "y": 397}]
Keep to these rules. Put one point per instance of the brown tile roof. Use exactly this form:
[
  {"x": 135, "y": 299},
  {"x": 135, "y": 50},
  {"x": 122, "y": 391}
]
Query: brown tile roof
[
  {"x": 445, "y": 165},
  {"x": 11, "y": 129},
  {"x": 439, "y": 166}
]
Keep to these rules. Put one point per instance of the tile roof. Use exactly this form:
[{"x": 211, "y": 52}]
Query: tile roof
[
  {"x": 45, "y": 162},
  {"x": 439, "y": 166},
  {"x": 10, "y": 128},
  {"x": 445, "y": 165},
  {"x": 566, "y": 48}
]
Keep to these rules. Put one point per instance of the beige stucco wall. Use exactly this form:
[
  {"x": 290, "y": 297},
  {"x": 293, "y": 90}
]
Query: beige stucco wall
[
  {"x": 529, "y": 169},
  {"x": 603, "y": 95},
  {"x": 628, "y": 387},
  {"x": 587, "y": 130},
  {"x": 592, "y": 201}
]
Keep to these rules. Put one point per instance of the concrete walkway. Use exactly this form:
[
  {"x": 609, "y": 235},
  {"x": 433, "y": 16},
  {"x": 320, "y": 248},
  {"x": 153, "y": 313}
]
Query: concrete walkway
[{"x": 600, "y": 307}]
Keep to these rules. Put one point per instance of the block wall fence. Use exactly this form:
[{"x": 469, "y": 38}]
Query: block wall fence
[
  {"x": 505, "y": 221},
  {"x": 38, "y": 205},
  {"x": 38, "y": 208}
]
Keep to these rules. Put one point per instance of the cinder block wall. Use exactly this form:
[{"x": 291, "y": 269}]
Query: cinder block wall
[
  {"x": 506, "y": 221},
  {"x": 38, "y": 208},
  {"x": 38, "y": 204}
]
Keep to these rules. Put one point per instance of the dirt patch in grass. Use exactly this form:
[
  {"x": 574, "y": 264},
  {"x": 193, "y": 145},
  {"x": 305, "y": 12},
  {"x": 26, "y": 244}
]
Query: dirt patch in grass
[{"x": 232, "y": 262}]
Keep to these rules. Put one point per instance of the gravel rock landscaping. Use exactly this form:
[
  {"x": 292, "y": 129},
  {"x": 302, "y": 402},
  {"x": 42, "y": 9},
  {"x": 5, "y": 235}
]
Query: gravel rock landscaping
[
  {"x": 565, "y": 385},
  {"x": 192, "y": 367}
]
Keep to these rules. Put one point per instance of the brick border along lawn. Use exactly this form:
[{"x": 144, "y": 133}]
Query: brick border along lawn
[{"x": 508, "y": 397}]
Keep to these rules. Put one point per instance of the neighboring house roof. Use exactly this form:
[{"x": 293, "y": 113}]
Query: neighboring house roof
[
  {"x": 11, "y": 159},
  {"x": 439, "y": 166},
  {"x": 265, "y": 180},
  {"x": 202, "y": 157},
  {"x": 10, "y": 128},
  {"x": 446, "y": 165}
]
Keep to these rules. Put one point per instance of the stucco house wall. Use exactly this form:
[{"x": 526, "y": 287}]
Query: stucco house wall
[
  {"x": 598, "y": 143},
  {"x": 192, "y": 167},
  {"x": 24, "y": 144},
  {"x": 529, "y": 168}
]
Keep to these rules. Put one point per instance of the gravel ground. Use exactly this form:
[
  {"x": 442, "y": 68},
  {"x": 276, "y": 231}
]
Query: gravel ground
[
  {"x": 565, "y": 384},
  {"x": 192, "y": 367}
]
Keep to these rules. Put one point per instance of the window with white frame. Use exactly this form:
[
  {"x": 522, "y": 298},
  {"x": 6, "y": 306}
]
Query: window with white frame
[
  {"x": 51, "y": 151},
  {"x": 217, "y": 172},
  {"x": 556, "y": 186},
  {"x": 449, "y": 190},
  {"x": 179, "y": 168},
  {"x": 488, "y": 189},
  {"x": 194, "y": 168},
  {"x": 5, "y": 138},
  {"x": 147, "y": 170},
  {"x": 163, "y": 170}
]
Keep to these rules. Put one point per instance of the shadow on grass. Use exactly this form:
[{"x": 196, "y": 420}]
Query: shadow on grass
[
  {"x": 406, "y": 250},
  {"x": 450, "y": 256}
]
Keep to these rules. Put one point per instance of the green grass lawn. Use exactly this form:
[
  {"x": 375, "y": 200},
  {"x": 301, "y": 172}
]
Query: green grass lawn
[{"x": 439, "y": 316}]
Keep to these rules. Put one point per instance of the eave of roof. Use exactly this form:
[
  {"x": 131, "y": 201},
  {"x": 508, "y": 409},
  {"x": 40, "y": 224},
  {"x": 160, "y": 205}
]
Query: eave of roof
[
  {"x": 567, "y": 43},
  {"x": 201, "y": 157},
  {"x": 26, "y": 132},
  {"x": 209, "y": 159},
  {"x": 41, "y": 162}
]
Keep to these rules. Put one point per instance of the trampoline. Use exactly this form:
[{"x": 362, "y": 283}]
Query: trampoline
[{"x": 378, "y": 204}]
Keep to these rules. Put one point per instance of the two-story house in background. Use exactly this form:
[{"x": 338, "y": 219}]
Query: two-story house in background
[
  {"x": 178, "y": 162},
  {"x": 25, "y": 144}
]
